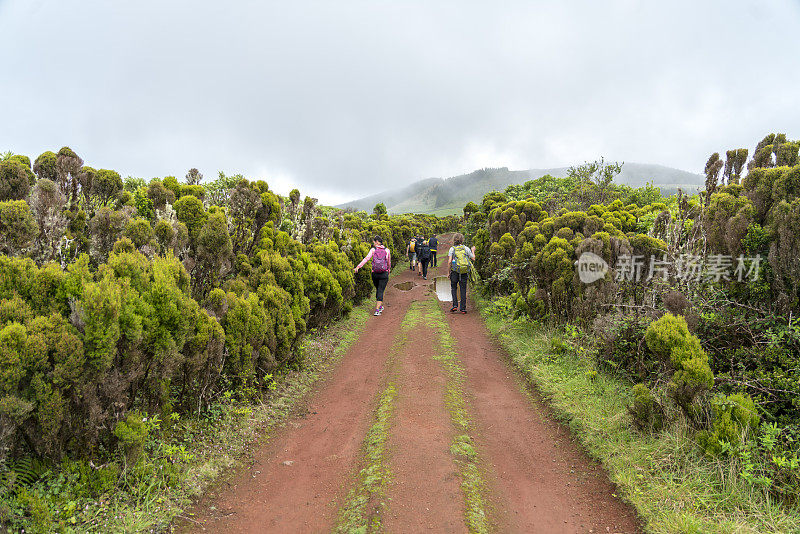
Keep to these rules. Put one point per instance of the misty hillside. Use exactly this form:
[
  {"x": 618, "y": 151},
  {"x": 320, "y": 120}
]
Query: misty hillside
[{"x": 444, "y": 196}]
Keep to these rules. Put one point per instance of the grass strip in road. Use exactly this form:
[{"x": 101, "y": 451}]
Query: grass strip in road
[
  {"x": 462, "y": 447},
  {"x": 365, "y": 503},
  {"x": 672, "y": 486}
]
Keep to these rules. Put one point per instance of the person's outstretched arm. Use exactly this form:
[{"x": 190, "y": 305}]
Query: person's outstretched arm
[{"x": 365, "y": 260}]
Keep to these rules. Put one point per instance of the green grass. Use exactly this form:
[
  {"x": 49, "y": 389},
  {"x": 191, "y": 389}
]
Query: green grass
[{"x": 672, "y": 485}]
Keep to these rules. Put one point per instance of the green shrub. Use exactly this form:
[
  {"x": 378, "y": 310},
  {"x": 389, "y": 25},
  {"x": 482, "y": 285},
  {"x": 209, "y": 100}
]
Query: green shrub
[
  {"x": 733, "y": 418},
  {"x": 132, "y": 433},
  {"x": 646, "y": 411},
  {"x": 15, "y": 182},
  {"x": 557, "y": 345},
  {"x": 669, "y": 337},
  {"x": 18, "y": 227},
  {"x": 666, "y": 333}
]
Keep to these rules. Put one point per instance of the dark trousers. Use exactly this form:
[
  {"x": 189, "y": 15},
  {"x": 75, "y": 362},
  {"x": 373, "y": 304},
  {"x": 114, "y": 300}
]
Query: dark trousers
[
  {"x": 433, "y": 258},
  {"x": 456, "y": 280},
  {"x": 425, "y": 267},
  {"x": 379, "y": 281}
]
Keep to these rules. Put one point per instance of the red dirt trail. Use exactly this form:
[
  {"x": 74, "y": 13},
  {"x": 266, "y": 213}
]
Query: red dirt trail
[
  {"x": 323, "y": 446},
  {"x": 539, "y": 479},
  {"x": 424, "y": 494},
  {"x": 543, "y": 481}
]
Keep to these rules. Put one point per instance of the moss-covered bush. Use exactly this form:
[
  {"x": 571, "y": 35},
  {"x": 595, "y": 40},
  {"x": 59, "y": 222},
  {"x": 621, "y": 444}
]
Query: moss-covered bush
[
  {"x": 733, "y": 417},
  {"x": 669, "y": 338},
  {"x": 645, "y": 410}
]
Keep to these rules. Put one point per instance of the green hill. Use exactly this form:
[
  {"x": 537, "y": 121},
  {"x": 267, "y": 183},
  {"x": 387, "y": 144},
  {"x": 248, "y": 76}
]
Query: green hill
[{"x": 441, "y": 196}]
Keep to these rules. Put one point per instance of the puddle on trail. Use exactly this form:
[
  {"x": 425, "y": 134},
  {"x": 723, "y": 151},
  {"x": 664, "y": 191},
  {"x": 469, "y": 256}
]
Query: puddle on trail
[
  {"x": 441, "y": 284},
  {"x": 404, "y": 286}
]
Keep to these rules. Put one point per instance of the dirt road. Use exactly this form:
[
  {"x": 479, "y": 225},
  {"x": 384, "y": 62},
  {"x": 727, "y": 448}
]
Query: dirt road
[{"x": 522, "y": 473}]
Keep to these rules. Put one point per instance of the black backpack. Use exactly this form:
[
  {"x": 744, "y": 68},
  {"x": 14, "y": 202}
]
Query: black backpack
[{"x": 424, "y": 250}]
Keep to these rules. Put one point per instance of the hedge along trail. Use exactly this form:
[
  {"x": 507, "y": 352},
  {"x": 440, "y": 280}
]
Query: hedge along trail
[
  {"x": 165, "y": 293},
  {"x": 121, "y": 300}
]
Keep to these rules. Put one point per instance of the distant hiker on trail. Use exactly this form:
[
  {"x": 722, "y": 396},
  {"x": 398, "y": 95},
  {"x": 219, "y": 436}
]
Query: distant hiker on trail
[
  {"x": 381, "y": 265},
  {"x": 459, "y": 257},
  {"x": 424, "y": 255},
  {"x": 418, "y": 248},
  {"x": 412, "y": 254},
  {"x": 433, "y": 243}
]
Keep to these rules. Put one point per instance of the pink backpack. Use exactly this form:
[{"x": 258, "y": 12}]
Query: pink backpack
[{"x": 380, "y": 263}]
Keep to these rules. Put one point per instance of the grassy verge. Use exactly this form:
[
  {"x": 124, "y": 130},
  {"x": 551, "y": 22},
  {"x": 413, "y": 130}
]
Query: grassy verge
[
  {"x": 180, "y": 458},
  {"x": 669, "y": 482},
  {"x": 462, "y": 448}
]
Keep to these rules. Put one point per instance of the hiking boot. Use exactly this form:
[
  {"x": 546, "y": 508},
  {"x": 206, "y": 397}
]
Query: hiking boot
[
  {"x": 463, "y": 311},
  {"x": 378, "y": 312},
  {"x": 454, "y": 309},
  {"x": 381, "y": 308}
]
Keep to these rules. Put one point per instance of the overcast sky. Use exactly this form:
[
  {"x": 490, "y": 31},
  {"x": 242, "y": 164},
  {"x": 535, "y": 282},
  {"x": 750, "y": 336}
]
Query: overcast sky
[{"x": 344, "y": 99}]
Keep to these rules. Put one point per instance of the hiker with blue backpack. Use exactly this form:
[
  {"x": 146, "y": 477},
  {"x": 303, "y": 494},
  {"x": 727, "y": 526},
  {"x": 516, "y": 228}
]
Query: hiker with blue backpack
[
  {"x": 460, "y": 258},
  {"x": 381, "y": 265}
]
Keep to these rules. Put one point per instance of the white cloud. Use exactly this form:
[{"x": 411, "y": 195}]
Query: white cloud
[{"x": 349, "y": 98}]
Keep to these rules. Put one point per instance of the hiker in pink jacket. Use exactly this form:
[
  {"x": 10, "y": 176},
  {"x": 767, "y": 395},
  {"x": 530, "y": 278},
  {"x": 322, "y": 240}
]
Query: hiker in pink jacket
[{"x": 381, "y": 265}]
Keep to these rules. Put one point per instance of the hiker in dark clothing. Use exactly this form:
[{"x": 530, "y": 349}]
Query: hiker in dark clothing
[
  {"x": 424, "y": 255},
  {"x": 460, "y": 260},
  {"x": 433, "y": 242},
  {"x": 419, "y": 262}
]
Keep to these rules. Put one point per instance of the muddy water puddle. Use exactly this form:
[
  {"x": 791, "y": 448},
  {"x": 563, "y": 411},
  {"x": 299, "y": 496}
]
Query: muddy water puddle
[
  {"x": 405, "y": 286},
  {"x": 441, "y": 285}
]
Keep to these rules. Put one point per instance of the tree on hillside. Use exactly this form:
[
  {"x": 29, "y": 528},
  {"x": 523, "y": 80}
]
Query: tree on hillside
[
  {"x": 713, "y": 166},
  {"x": 194, "y": 177},
  {"x": 47, "y": 201},
  {"x": 595, "y": 180},
  {"x": 734, "y": 163},
  {"x": 17, "y": 227},
  {"x": 379, "y": 210},
  {"x": 14, "y": 181},
  {"x": 68, "y": 167},
  {"x": 107, "y": 184},
  {"x": 45, "y": 166},
  {"x": 469, "y": 209}
]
